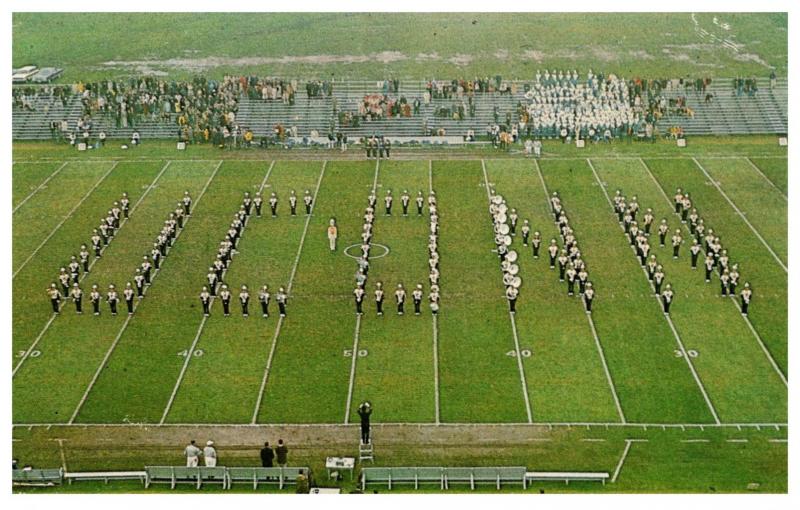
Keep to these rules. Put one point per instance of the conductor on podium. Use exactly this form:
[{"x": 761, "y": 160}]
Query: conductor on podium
[{"x": 364, "y": 411}]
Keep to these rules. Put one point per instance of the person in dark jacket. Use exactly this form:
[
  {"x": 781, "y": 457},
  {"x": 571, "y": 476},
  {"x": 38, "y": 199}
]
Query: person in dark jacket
[
  {"x": 364, "y": 411},
  {"x": 281, "y": 453},
  {"x": 267, "y": 455}
]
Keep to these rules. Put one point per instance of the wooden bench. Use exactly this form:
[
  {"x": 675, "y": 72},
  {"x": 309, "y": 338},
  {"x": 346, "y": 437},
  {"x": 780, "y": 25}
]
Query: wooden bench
[
  {"x": 106, "y": 476},
  {"x": 279, "y": 476},
  {"x": 566, "y": 476},
  {"x": 179, "y": 474},
  {"x": 37, "y": 477}
]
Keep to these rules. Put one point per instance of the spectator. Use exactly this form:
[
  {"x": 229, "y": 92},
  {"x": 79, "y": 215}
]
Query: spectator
[
  {"x": 192, "y": 452},
  {"x": 210, "y": 454},
  {"x": 302, "y": 483},
  {"x": 281, "y": 453},
  {"x": 267, "y": 455}
]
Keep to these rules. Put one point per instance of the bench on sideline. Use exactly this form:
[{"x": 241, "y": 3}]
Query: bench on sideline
[
  {"x": 443, "y": 476},
  {"x": 565, "y": 476},
  {"x": 226, "y": 476},
  {"x": 37, "y": 477}
]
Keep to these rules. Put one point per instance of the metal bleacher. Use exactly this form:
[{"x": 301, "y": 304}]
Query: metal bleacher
[{"x": 764, "y": 113}]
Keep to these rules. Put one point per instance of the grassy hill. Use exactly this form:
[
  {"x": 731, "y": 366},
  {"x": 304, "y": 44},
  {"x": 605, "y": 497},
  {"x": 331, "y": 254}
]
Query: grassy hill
[{"x": 402, "y": 45}]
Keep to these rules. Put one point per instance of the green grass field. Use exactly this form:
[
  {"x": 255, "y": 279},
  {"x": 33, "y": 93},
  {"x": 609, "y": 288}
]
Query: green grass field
[
  {"x": 166, "y": 365},
  {"x": 377, "y": 46}
]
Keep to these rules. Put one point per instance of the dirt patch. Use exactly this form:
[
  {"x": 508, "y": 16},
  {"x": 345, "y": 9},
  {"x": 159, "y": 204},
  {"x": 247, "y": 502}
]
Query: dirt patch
[
  {"x": 535, "y": 55},
  {"x": 501, "y": 54},
  {"x": 604, "y": 54},
  {"x": 427, "y": 57},
  {"x": 641, "y": 55},
  {"x": 201, "y": 64},
  {"x": 751, "y": 57},
  {"x": 460, "y": 59}
]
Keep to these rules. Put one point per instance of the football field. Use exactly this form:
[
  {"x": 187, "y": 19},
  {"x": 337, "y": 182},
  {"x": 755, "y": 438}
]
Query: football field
[{"x": 551, "y": 363}]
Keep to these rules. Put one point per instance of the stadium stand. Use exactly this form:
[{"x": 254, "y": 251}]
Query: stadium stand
[{"x": 725, "y": 113}]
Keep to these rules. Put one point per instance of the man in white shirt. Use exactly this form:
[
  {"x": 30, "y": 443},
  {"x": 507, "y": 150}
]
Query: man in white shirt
[
  {"x": 191, "y": 452},
  {"x": 210, "y": 454}
]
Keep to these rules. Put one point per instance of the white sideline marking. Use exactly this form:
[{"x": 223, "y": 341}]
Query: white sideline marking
[
  {"x": 695, "y": 441},
  {"x": 513, "y": 324},
  {"x": 61, "y": 454},
  {"x": 589, "y": 318},
  {"x": 593, "y": 440},
  {"x": 733, "y": 298},
  {"x": 135, "y": 306},
  {"x": 357, "y": 331},
  {"x": 83, "y": 274},
  {"x": 755, "y": 167},
  {"x": 40, "y": 187},
  {"x": 64, "y": 220},
  {"x": 741, "y": 215},
  {"x": 288, "y": 293},
  {"x": 736, "y": 440},
  {"x": 667, "y": 317},
  {"x": 622, "y": 460},
  {"x": 778, "y": 440},
  {"x": 402, "y": 156},
  {"x": 191, "y": 350},
  {"x": 540, "y": 425},
  {"x": 435, "y": 320}
]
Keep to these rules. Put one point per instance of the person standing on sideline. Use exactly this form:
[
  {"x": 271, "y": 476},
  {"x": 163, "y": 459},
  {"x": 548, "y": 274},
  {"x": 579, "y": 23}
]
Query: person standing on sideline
[
  {"x": 267, "y": 455},
  {"x": 210, "y": 454},
  {"x": 364, "y": 412},
  {"x": 333, "y": 234},
  {"x": 192, "y": 453},
  {"x": 301, "y": 483},
  {"x": 281, "y": 453}
]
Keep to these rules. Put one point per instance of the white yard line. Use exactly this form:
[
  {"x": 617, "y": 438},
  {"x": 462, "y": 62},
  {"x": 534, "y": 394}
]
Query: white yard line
[
  {"x": 667, "y": 317},
  {"x": 758, "y": 170},
  {"x": 621, "y": 460},
  {"x": 357, "y": 332},
  {"x": 202, "y": 325},
  {"x": 83, "y": 275},
  {"x": 416, "y": 425},
  {"x": 62, "y": 454},
  {"x": 288, "y": 293},
  {"x": 356, "y": 335},
  {"x": 741, "y": 215},
  {"x": 68, "y": 216},
  {"x": 599, "y": 346},
  {"x": 40, "y": 187},
  {"x": 733, "y": 299},
  {"x": 136, "y": 305},
  {"x": 435, "y": 321},
  {"x": 513, "y": 324}
]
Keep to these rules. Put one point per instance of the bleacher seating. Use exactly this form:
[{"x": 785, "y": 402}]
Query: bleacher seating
[
  {"x": 766, "y": 112},
  {"x": 37, "y": 477}
]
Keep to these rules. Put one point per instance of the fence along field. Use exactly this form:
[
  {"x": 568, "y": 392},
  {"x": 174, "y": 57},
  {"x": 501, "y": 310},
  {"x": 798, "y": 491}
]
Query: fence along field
[{"x": 570, "y": 375}]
